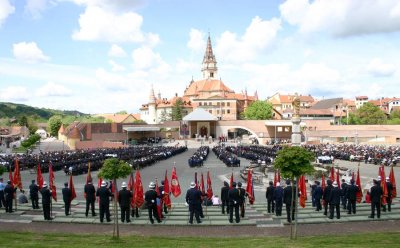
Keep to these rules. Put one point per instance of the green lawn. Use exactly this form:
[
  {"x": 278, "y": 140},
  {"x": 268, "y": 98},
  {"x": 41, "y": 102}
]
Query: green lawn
[{"x": 12, "y": 239}]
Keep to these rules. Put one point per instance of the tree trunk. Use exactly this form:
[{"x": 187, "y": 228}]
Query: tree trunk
[
  {"x": 116, "y": 225},
  {"x": 291, "y": 211},
  {"x": 297, "y": 208}
]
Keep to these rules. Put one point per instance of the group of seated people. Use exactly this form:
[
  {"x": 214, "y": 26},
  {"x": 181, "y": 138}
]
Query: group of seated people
[
  {"x": 197, "y": 159},
  {"x": 226, "y": 156}
]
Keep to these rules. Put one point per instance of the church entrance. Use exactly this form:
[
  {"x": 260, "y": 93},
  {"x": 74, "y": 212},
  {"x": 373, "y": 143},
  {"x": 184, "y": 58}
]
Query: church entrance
[{"x": 203, "y": 131}]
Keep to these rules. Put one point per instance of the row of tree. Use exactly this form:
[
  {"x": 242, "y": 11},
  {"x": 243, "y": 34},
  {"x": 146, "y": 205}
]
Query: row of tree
[{"x": 370, "y": 114}]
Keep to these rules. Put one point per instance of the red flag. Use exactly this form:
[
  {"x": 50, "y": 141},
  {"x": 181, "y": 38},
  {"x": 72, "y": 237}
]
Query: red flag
[
  {"x": 383, "y": 186},
  {"x": 51, "y": 182},
  {"x": 279, "y": 176},
  {"x": 202, "y": 186},
  {"x": 72, "y": 188},
  {"x": 275, "y": 178},
  {"x": 10, "y": 177},
  {"x": 39, "y": 177},
  {"x": 167, "y": 198},
  {"x": 332, "y": 175},
  {"x": 338, "y": 178},
  {"x": 131, "y": 187},
  {"x": 359, "y": 193},
  {"x": 195, "y": 180},
  {"x": 175, "y": 187},
  {"x": 231, "y": 181},
  {"x": 17, "y": 175},
  {"x": 249, "y": 187},
  {"x": 352, "y": 175},
  {"x": 159, "y": 201},
  {"x": 303, "y": 191},
  {"x": 323, "y": 183},
  {"x": 209, "y": 186},
  {"x": 99, "y": 181},
  {"x": 393, "y": 182},
  {"x": 138, "y": 194}
]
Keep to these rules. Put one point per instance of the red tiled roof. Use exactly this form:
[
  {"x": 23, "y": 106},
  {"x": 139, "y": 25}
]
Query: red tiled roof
[{"x": 206, "y": 85}]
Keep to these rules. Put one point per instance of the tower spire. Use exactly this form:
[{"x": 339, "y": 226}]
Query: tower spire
[{"x": 209, "y": 68}]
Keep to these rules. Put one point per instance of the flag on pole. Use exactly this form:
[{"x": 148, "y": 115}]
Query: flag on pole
[
  {"x": 332, "y": 175},
  {"x": 72, "y": 188},
  {"x": 175, "y": 187},
  {"x": 279, "y": 176},
  {"x": 231, "y": 181},
  {"x": 158, "y": 201},
  {"x": 138, "y": 194},
  {"x": 202, "y": 186},
  {"x": 167, "y": 198},
  {"x": 17, "y": 175},
  {"x": 352, "y": 175},
  {"x": 393, "y": 182},
  {"x": 209, "y": 186},
  {"x": 303, "y": 191},
  {"x": 131, "y": 187},
  {"x": 383, "y": 186},
  {"x": 275, "y": 178},
  {"x": 39, "y": 177},
  {"x": 51, "y": 182},
  {"x": 359, "y": 193},
  {"x": 323, "y": 183},
  {"x": 249, "y": 187},
  {"x": 338, "y": 178}
]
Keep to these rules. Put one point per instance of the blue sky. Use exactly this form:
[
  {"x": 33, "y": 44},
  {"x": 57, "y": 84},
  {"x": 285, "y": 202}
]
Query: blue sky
[{"x": 102, "y": 56}]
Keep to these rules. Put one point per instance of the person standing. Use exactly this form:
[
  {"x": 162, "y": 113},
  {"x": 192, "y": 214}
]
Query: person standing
[
  {"x": 389, "y": 187},
  {"x": 326, "y": 194},
  {"x": 34, "y": 194},
  {"x": 278, "y": 198},
  {"x": 67, "y": 195},
  {"x": 334, "y": 200},
  {"x": 343, "y": 189},
  {"x": 351, "y": 195},
  {"x": 150, "y": 198},
  {"x": 162, "y": 193},
  {"x": 124, "y": 200},
  {"x": 224, "y": 198},
  {"x": 2, "y": 200},
  {"x": 46, "y": 201},
  {"x": 376, "y": 196},
  {"x": 104, "y": 195},
  {"x": 242, "y": 202},
  {"x": 9, "y": 191},
  {"x": 234, "y": 200},
  {"x": 269, "y": 194},
  {"x": 90, "y": 193},
  {"x": 193, "y": 199},
  {"x": 318, "y": 192},
  {"x": 288, "y": 199}
]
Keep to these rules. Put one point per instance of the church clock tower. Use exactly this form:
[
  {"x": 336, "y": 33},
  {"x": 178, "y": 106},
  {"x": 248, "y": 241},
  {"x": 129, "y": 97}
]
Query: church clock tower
[{"x": 209, "y": 67}]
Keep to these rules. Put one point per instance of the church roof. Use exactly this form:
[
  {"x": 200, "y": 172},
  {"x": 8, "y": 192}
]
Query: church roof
[{"x": 206, "y": 85}]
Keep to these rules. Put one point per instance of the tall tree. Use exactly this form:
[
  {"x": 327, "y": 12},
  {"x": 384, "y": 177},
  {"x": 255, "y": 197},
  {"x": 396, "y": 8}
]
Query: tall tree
[
  {"x": 114, "y": 169},
  {"x": 258, "y": 110},
  {"x": 23, "y": 121},
  {"x": 177, "y": 109},
  {"x": 54, "y": 125},
  {"x": 292, "y": 163},
  {"x": 368, "y": 114}
]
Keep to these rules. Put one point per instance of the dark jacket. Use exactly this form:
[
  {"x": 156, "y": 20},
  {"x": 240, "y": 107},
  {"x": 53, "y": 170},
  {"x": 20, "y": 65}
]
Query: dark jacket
[
  {"x": 334, "y": 197},
  {"x": 278, "y": 194},
  {"x": 193, "y": 196},
  {"x": 389, "y": 187},
  {"x": 9, "y": 192},
  {"x": 270, "y": 193},
  {"x": 242, "y": 195},
  {"x": 124, "y": 198},
  {"x": 90, "y": 192},
  {"x": 343, "y": 189},
  {"x": 287, "y": 195},
  {"x": 46, "y": 196},
  {"x": 351, "y": 192},
  {"x": 104, "y": 194},
  {"x": 67, "y": 194},
  {"x": 150, "y": 197},
  {"x": 224, "y": 193},
  {"x": 318, "y": 193},
  {"x": 233, "y": 196},
  {"x": 376, "y": 194},
  {"x": 33, "y": 190},
  {"x": 327, "y": 193}
]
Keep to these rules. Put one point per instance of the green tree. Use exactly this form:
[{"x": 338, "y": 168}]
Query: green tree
[
  {"x": 54, "y": 125},
  {"x": 177, "y": 109},
  {"x": 368, "y": 114},
  {"x": 292, "y": 163},
  {"x": 114, "y": 169},
  {"x": 23, "y": 121},
  {"x": 32, "y": 125},
  {"x": 164, "y": 116},
  {"x": 258, "y": 110},
  {"x": 2, "y": 170},
  {"x": 122, "y": 112}
]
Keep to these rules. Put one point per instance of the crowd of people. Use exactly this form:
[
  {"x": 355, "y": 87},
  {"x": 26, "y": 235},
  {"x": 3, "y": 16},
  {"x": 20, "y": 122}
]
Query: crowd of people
[
  {"x": 198, "y": 158},
  {"x": 227, "y": 157}
]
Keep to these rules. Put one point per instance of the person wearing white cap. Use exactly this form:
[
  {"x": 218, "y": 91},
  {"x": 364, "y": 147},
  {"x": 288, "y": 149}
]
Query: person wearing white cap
[
  {"x": 334, "y": 200},
  {"x": 46, "y": 201},
  {"x": 104, "y": 195},
  {"x": 90, "y": 195},
  {"x": 124, "y": 200},
  {"x": 193, "y": 199},
  {"x": 150, "y": 198},
  {"x": 389, "y": 187}
]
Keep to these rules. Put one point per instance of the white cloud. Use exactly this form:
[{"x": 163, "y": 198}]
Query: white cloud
[
  {"x": 378, "y": 68},
  {"x": 116, "y": 67},
  {"x": 53, "y": 89},
  {"x": 145, "y": 59},
  {"x": 6, "y": 9},
  {"x": 343, "y": 17},
  {"x": 28, "y": 52},
  {"x": 36, "y": 7},
  {"x": 116, "y": 51},
  {"x": 114, "y": 5},
  {"x": 14, "y": 93},
  {"x": 196, "y": 40},
  {"x": 258, "y": 36}
]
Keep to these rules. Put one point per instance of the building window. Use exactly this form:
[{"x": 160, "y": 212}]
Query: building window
[
  {"x": 223, "y": 104},
  {"x": 210, "y": 103},
  {"x": 200, "y": 103},
  {"x": 228, "y": 111},
  {"x": 211, "y": 74},
  {"x": 228, "y": 104},
  {"x": 223, "y": 111},
  {"x": 205, "y": 104}
]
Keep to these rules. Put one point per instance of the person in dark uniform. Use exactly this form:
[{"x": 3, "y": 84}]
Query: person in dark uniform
[
  {"x": 2, "y": 200},
  {"x": 389, "y": 187},
  {"x": 9, "y": 191},
  {"x": 224, "y": 198},
  {"x": 376, "y": 196},
  {"x": 242, "y": 194},
  {"x": 46, "y": 201},
  {"x": 90, "y": 192},
  {"x": 343, "y": 193},
  {"x": 351, "y": 195},
  {"x": 326, "y": 194},
  {"x": 269, "y": 194},
  {"x": 318, "y": 195},
  {"x": 104, "y": 195},
  {"x": 193, "y": 199},
  {"x": 234, "y": 200},
  {"x": 124, "y": 200},
  {"x": 34, "y": 194},
  {"x": 161, "y": 189},
  {"x": 334, "y": 200},
  {"x": 67, "y": 195},
  {"x": 278, "y": 198},
  {"x": 288, "y": 199},
  {"x": 150, "y": 198}
]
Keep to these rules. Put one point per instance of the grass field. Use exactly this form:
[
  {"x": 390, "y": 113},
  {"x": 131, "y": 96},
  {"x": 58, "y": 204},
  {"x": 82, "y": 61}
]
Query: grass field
[{"x": 12, "y": 239}]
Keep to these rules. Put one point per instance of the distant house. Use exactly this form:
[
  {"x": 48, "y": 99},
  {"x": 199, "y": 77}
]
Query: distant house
[
  {"x": 282, "y": 102},
  {"x": 120, "y": 118},
  {"x": 360, "y": 101},
  {"x": 41, "y": 132},
  {"x": 11, "y": 134}
]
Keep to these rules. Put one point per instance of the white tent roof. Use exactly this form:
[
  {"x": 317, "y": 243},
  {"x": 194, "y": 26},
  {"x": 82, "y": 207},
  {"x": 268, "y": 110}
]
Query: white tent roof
[
  {"x": 143, "y": 129},
  {"x": 200, "y": 115}
]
